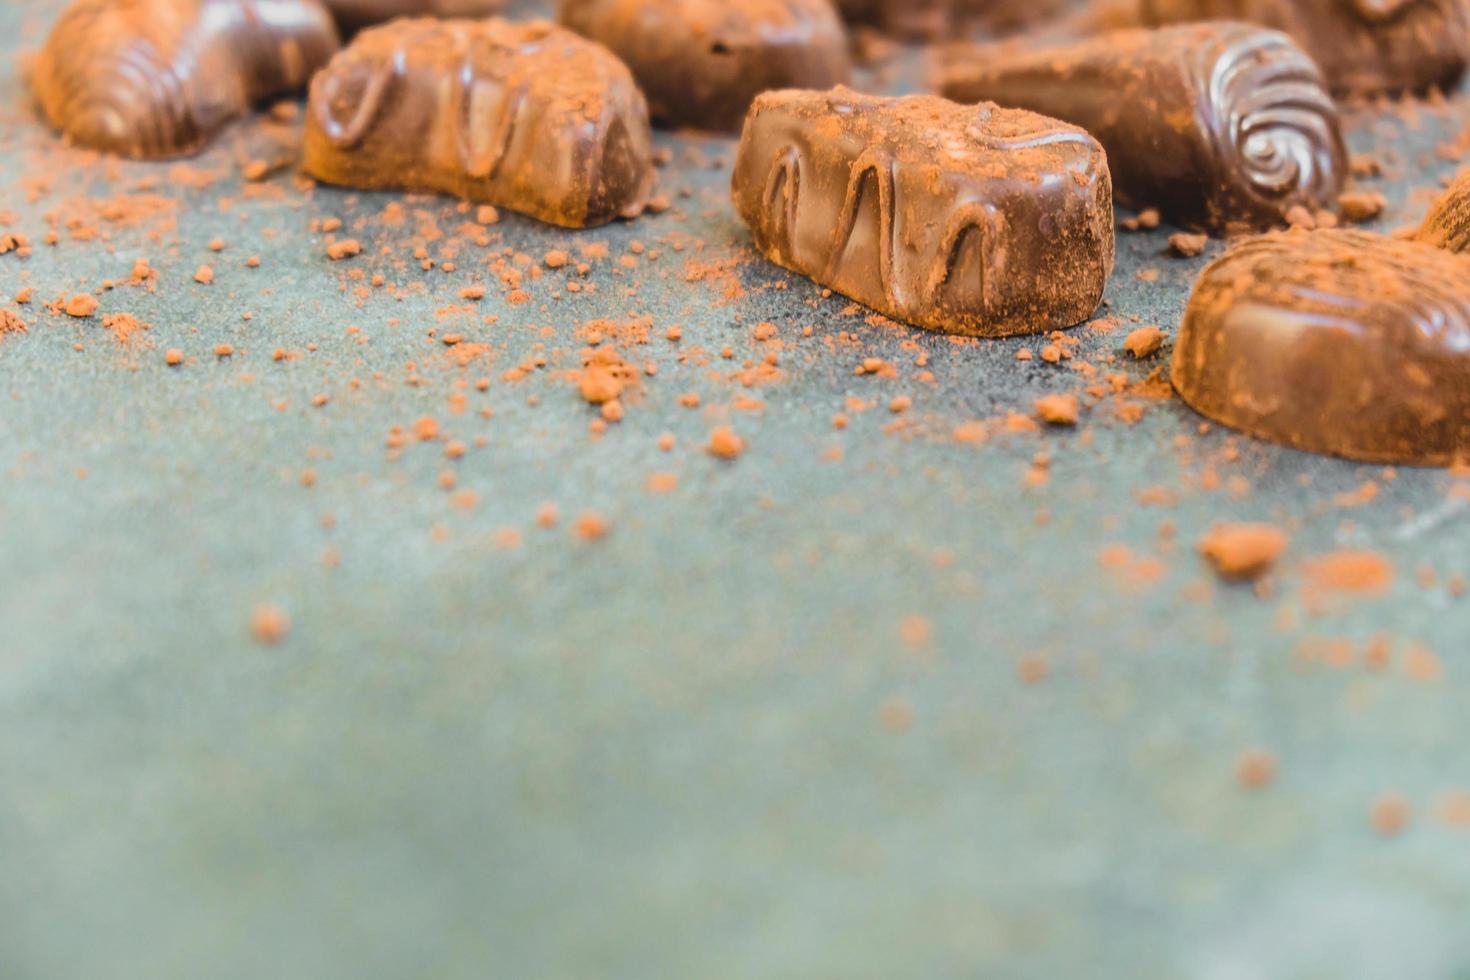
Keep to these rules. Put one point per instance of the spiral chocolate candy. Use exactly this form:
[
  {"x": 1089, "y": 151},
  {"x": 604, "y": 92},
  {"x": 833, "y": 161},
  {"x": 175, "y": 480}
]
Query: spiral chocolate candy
[
  {"x": 701, "y": 62},
  {"x": 526, "y": 116},
  {"x": 1338, "y": 342},
  {"x": 160, "y": 78},
  {"x": 354, "y": 15},
  {"x": 1448, "y": 223},
  {"x": 1363, "y": 47},
  {"x": 967, "y": 219},
  {"x": 1220, "y": 125},
  {"x": 905, "y": 18}
]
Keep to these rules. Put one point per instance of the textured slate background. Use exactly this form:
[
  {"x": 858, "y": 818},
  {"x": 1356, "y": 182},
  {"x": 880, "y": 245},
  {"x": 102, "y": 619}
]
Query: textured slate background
[{"x": 662, "y": 754}]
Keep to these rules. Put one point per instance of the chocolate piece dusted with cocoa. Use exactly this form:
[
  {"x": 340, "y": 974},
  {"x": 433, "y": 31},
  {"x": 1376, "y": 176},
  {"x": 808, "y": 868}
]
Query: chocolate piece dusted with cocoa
[
  {"x": 1334, "y": 341},
  {"x": 905, "y": 18},
  {"x": 525, "y": 116},
  {"x": 701, "y": 62},
  {"x": 1363, "y": 47},
  {"x": 160, "y": 78},
  {"x": 354, "y": 15},
  {"x": 1448, "y": 223},
  {"x": 968, "y": 219},
  {"x": 1220, "y": 126}
]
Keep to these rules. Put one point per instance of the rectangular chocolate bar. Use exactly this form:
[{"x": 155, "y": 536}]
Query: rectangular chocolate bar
[
  {"x": 1222, "y": 125},
  {"x": 968, "y": 219}
]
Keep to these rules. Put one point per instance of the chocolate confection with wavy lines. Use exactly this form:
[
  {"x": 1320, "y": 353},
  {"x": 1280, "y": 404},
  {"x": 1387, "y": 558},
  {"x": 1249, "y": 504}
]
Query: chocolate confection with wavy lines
[
  {"x": 526, "y": 116},
  {"x": 160, "y": 78},
  {"x": 1448, "y": 223},
  {"x": 701, "y": 62},
  {"x": 1335, "y": 341},
  {"x": 354, "y": 15},
  {"x": 1223, "y": 126},
  {"x": 1364, "y": 47},
  {"x": 967, "y": 219}
]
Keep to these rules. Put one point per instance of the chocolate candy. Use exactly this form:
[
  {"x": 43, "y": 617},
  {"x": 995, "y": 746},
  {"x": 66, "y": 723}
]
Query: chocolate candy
[
  {"x": 701, "y": 62},
  {"x": 1363, "y": 47},
  {"x": 1219, "y": 125},
  {"x": 905, "y": 18},
  {"x": 1338, "y": 342},
  {"x": 354, "y": 15},
  {"x": 526, "y": 116},
  {"x": 159, "y": 78},
  {"x": 968, "y": 219},
  {"x": 1448, "y": 223}
]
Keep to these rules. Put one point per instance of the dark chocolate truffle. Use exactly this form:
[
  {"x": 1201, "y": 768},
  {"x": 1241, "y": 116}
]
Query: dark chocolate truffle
[
  {"x": 701, "y": 62},
  {"x": 160, "y": 78},
  {"x": 1334, "y": 341},
  {"x": 1220, "y": 125},
  {"x": 968, "y": 219},
  {"x": 526, "y": 116},
  {"x": 1363, "y": 47},
  {"x": 1448, "y": 223}
]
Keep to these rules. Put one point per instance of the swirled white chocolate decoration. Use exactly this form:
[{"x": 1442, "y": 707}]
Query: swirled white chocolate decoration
[
  {"x": 1222, "y": 125},
  {"x": 159, "y": 78}
]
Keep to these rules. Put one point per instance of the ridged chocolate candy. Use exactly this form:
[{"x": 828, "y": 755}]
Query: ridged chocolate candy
[
  {"x": 1338, "y": 342},
  {"x": 968, "y": 219},
  {"x": 1221, "y": 125},
  {"x": 160, "y": 78},
  {"x": 526, "y": 116},
  {"x": 1363, "y": 47},
  {"x": 701, "y": 62}
]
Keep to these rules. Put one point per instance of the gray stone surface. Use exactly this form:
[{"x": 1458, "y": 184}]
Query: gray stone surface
[{"x": 662, "y": 755}]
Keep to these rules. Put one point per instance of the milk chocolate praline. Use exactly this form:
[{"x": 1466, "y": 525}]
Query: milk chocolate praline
[
  {"x": 1338, "y": 342},
  {"x": 701, "y": 62},
  {"x": 160, "y": 78},
  {"x": 1364, "y": 47},
  {"x": 1448, "y": 223},
  {"x": 967, "y": 219},
  {"x": 1224, "y": 126},
  {"x": 526, "y": 116}
]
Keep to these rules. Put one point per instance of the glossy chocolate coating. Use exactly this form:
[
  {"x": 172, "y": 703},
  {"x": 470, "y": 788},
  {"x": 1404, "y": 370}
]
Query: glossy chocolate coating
[
  {"x": 701, "y": 62},
  {"x": 354, "y": 15},
  {"x": 160, "y": 78},
  {"x": 1220, "y": 125},
  {"x": 526, "y": 116},
  {"x": 1363, "y": 47},
  {"x": 1338, "y": 342},
  {"x": 1448, "y": 223},
  {"x": 967, "y": 219},
  {"x": 904, "y": 18}
]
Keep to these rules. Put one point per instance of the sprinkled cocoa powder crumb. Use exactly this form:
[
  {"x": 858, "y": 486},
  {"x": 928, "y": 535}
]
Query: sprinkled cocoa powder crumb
[
  {"x": 485, "y": 214},
  {"x": 173, "y": 357},
  {"x": 1033, "y": 668},
  {"x": 1188, "y": 245},
  {"x": 268, "y": 624},
  {"x": 344, "y": 249},
  {"x": 590, "y": 526},
  {"x": 255, "y": 170},
  {"x": 546, "y": 516},
  {"x": 224, "y": 350},
  {"x": 81, "y": 305},
  {"x": 556, "y": 259},
  {"x": 724, "y": 443},
  {"x": 1255, "y": 769},
  {"x": 900, "y": 404},
  {"x": 1389, "y": 815},
  {"x": 662, "y": 482},
  {"x": 216, "y": 244},
  {"x": 10, "y": 323},
  {"x": 1242, "y": 552},
  {"x": 1057, "y": 409},
  {"x": 204, "y": 275},
  {"x": 1360, "y": 206},
  {"x": 1144, "y": 342},
  {"x": 1351, "y": 572},
  {"x": 666, "y": 442}
]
